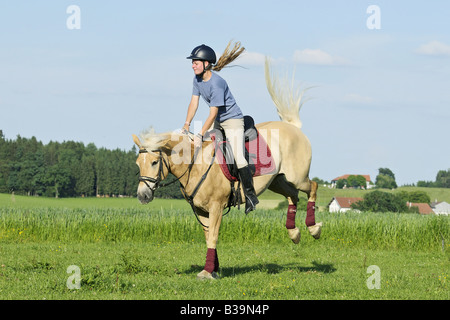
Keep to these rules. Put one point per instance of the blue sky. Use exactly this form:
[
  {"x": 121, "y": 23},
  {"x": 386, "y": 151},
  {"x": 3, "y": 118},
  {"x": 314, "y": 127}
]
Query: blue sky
[{"x": 381, "y": 97}]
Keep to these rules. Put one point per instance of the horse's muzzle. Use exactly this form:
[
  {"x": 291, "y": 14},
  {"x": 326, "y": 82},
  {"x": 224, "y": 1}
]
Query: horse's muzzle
[{"x": 144, "y": 194}]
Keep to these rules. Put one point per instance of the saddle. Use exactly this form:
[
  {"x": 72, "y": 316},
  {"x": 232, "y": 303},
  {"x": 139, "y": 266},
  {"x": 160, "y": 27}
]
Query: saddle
[{"x": 257, "y": 152}]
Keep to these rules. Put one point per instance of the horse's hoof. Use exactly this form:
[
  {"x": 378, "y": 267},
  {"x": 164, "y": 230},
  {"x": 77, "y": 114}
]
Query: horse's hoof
[
  {"x": 315, "y": 230},
  {"x": 205, "y": 275},
  {"x": 294, "y": 235}
]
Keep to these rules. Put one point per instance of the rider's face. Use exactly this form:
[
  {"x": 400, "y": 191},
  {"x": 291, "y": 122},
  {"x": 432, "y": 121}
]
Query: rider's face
[{"x": 197, "y": 66}]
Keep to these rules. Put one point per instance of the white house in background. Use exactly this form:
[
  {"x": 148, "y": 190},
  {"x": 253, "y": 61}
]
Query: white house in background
[
  {"x": 342, "y": 204},
  {"x": 441, "y": 207},
  {"x": 369, "y": 183}
]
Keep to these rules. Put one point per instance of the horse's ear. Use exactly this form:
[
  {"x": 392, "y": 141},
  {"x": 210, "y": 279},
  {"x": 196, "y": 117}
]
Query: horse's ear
[{"x": 136, "y": 140}]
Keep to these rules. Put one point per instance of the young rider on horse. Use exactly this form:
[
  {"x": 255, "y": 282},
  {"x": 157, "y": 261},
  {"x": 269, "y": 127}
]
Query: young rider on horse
[{"x": 223, "y": 112}]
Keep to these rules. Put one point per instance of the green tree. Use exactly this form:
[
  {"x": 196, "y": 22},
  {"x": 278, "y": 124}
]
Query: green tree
[
  {"x": 414, "y": 196},
  {"x": 385, "y": 179},
  {"x": 379, "y": 201},
  {"x": 356, "y": 181},
  {"x": 387, "y": 172},
  {"x": 58, "y": 182},
  {"x": 4, "y": 163},
  {"x": 426, "y": 184},
  {"x": 443, "y": 179},
  {"x": 419, "y": 197},
  {"x": 85, "y": 180},
  {"x": 131, "y": 181},
  {"x": 341, "y": 183},
  {"x": 319, "y": 181}
]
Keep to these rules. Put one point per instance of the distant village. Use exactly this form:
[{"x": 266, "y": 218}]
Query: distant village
[{"x": 343, "y": 204}]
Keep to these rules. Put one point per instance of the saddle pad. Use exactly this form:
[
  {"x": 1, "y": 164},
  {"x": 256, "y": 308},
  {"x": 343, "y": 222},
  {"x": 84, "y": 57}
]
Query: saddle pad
[{"x": 259, "y": 157}]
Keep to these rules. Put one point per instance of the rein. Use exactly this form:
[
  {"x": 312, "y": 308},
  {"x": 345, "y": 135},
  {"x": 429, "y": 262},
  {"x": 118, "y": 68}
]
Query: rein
[{"x": 190, "y": 198}]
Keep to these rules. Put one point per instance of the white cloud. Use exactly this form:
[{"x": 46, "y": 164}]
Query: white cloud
[
  {"x": 251, "y": 58},
  {"x": 318, "y": 57},
  {"x": 434, "y": 48}
]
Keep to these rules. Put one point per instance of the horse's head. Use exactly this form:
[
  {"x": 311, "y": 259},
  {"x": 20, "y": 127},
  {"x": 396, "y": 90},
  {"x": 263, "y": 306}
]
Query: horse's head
[{"x": 153, "y": 167}]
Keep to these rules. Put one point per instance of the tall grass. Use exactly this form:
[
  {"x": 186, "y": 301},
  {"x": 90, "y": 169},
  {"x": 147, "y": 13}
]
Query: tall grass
[
  {"x": 371, "y": 230},
  {"x": 389, "y": 230}
]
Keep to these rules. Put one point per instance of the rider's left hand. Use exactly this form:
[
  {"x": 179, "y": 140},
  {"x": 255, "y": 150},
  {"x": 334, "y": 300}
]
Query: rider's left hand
[{"x": 198, "y": 139}]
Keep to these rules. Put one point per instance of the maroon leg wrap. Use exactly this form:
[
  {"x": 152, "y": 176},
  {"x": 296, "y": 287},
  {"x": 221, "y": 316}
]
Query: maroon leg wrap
[
  {"x": 290, "y": 220},
  {"x": 216, "y": 262},
  {"x": 310, "y": 210},
  {"x": 212, "y": 261}
]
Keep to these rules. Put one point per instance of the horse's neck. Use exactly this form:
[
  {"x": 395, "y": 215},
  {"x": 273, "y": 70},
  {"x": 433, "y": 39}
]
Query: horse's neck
[
  {"x": 181, "y": 168},
  {"x": 179, "y": 165}
]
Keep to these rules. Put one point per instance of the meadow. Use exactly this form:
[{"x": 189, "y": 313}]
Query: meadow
[{"x": 125, "y": 250}]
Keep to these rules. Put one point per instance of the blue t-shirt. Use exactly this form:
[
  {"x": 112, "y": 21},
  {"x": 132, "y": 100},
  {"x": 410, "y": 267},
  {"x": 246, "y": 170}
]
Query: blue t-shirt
[{"x": 216, "y": 93}]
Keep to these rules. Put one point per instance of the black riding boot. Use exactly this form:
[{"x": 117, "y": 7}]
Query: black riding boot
[{"x": 249, "y": 191}]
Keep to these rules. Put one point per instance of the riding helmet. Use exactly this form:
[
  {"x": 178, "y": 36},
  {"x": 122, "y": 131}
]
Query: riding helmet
[{"x": 203, "y": 53}]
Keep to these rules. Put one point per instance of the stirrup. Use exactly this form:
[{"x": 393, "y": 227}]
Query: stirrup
[{"x": 249, "y": 204}]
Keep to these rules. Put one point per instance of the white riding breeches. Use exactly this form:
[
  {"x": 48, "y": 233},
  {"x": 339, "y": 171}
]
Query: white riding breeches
[{"x": 234, "y": 131}]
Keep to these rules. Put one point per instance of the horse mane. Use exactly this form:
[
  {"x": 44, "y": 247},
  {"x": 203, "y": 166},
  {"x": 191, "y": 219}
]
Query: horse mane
[
  {"x": 228, "y": 55},
  {"x": 286, "y": 98},
  {"x": 152, "y": 140},
  {"x": 155, "y": 141}
]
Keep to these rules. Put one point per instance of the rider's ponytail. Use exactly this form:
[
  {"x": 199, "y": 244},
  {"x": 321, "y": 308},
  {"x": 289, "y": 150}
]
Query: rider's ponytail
[{"x": 228, "y": 55}]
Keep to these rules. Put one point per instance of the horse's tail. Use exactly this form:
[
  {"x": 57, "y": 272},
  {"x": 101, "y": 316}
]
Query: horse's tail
[{"x": 286, "y": 98}]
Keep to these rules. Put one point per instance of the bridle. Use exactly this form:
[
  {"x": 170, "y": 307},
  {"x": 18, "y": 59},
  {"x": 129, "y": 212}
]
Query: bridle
[{"x": 156, "y": 181}]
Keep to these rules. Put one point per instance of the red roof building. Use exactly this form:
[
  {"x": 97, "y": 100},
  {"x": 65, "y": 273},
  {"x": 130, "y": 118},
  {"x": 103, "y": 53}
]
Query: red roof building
[{"x": 424, "y": 208}]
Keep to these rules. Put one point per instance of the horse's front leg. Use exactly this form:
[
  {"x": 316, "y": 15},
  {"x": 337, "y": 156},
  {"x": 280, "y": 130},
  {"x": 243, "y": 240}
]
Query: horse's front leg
[
  {"x": 205, "y": 223},
  {"x": 212, "y": 235}
]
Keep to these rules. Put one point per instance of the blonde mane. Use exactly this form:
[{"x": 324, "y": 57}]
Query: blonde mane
[
  {"x": 155, "y": 141},
  {"x": 152, "y": 140}
]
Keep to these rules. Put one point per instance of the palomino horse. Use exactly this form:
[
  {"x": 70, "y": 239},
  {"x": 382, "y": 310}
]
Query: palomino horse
[{"x": 160, "y": 154}]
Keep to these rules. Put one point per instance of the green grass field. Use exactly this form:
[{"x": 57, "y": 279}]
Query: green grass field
[{"x": 125, "y": 250}]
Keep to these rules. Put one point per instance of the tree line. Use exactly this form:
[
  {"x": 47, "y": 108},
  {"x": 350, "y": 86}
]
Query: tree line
[
  {"x": 442, "y": 180},
  {"x": 69, "y": 169},
  {"x": 386, "y": 180}
]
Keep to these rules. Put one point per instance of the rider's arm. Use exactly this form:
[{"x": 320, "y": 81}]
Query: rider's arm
[{"x": 192, "y": 109}]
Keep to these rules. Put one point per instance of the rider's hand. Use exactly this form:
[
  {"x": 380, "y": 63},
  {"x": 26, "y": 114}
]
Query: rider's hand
[
  {"x": 198, "y": 139},
  {"x": 185, "y": 128}
]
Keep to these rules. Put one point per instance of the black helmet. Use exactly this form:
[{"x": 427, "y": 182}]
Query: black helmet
[{"x": 203, "y": 53}]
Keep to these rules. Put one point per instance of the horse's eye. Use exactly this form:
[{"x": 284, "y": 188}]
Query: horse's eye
[{"x": 154, "y": 163}]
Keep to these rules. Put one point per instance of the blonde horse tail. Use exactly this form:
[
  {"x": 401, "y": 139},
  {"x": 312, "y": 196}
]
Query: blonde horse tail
[{"x": 286, "y": 98}]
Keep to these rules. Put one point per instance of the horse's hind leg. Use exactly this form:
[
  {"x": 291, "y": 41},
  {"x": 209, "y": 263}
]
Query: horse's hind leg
[
  {"x": 282, "y": 186},
  {"x": 310, "y": 188}
]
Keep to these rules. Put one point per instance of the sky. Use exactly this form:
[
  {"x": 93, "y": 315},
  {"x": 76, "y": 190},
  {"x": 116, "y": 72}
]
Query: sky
[{"x": 379, "y": 72}]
